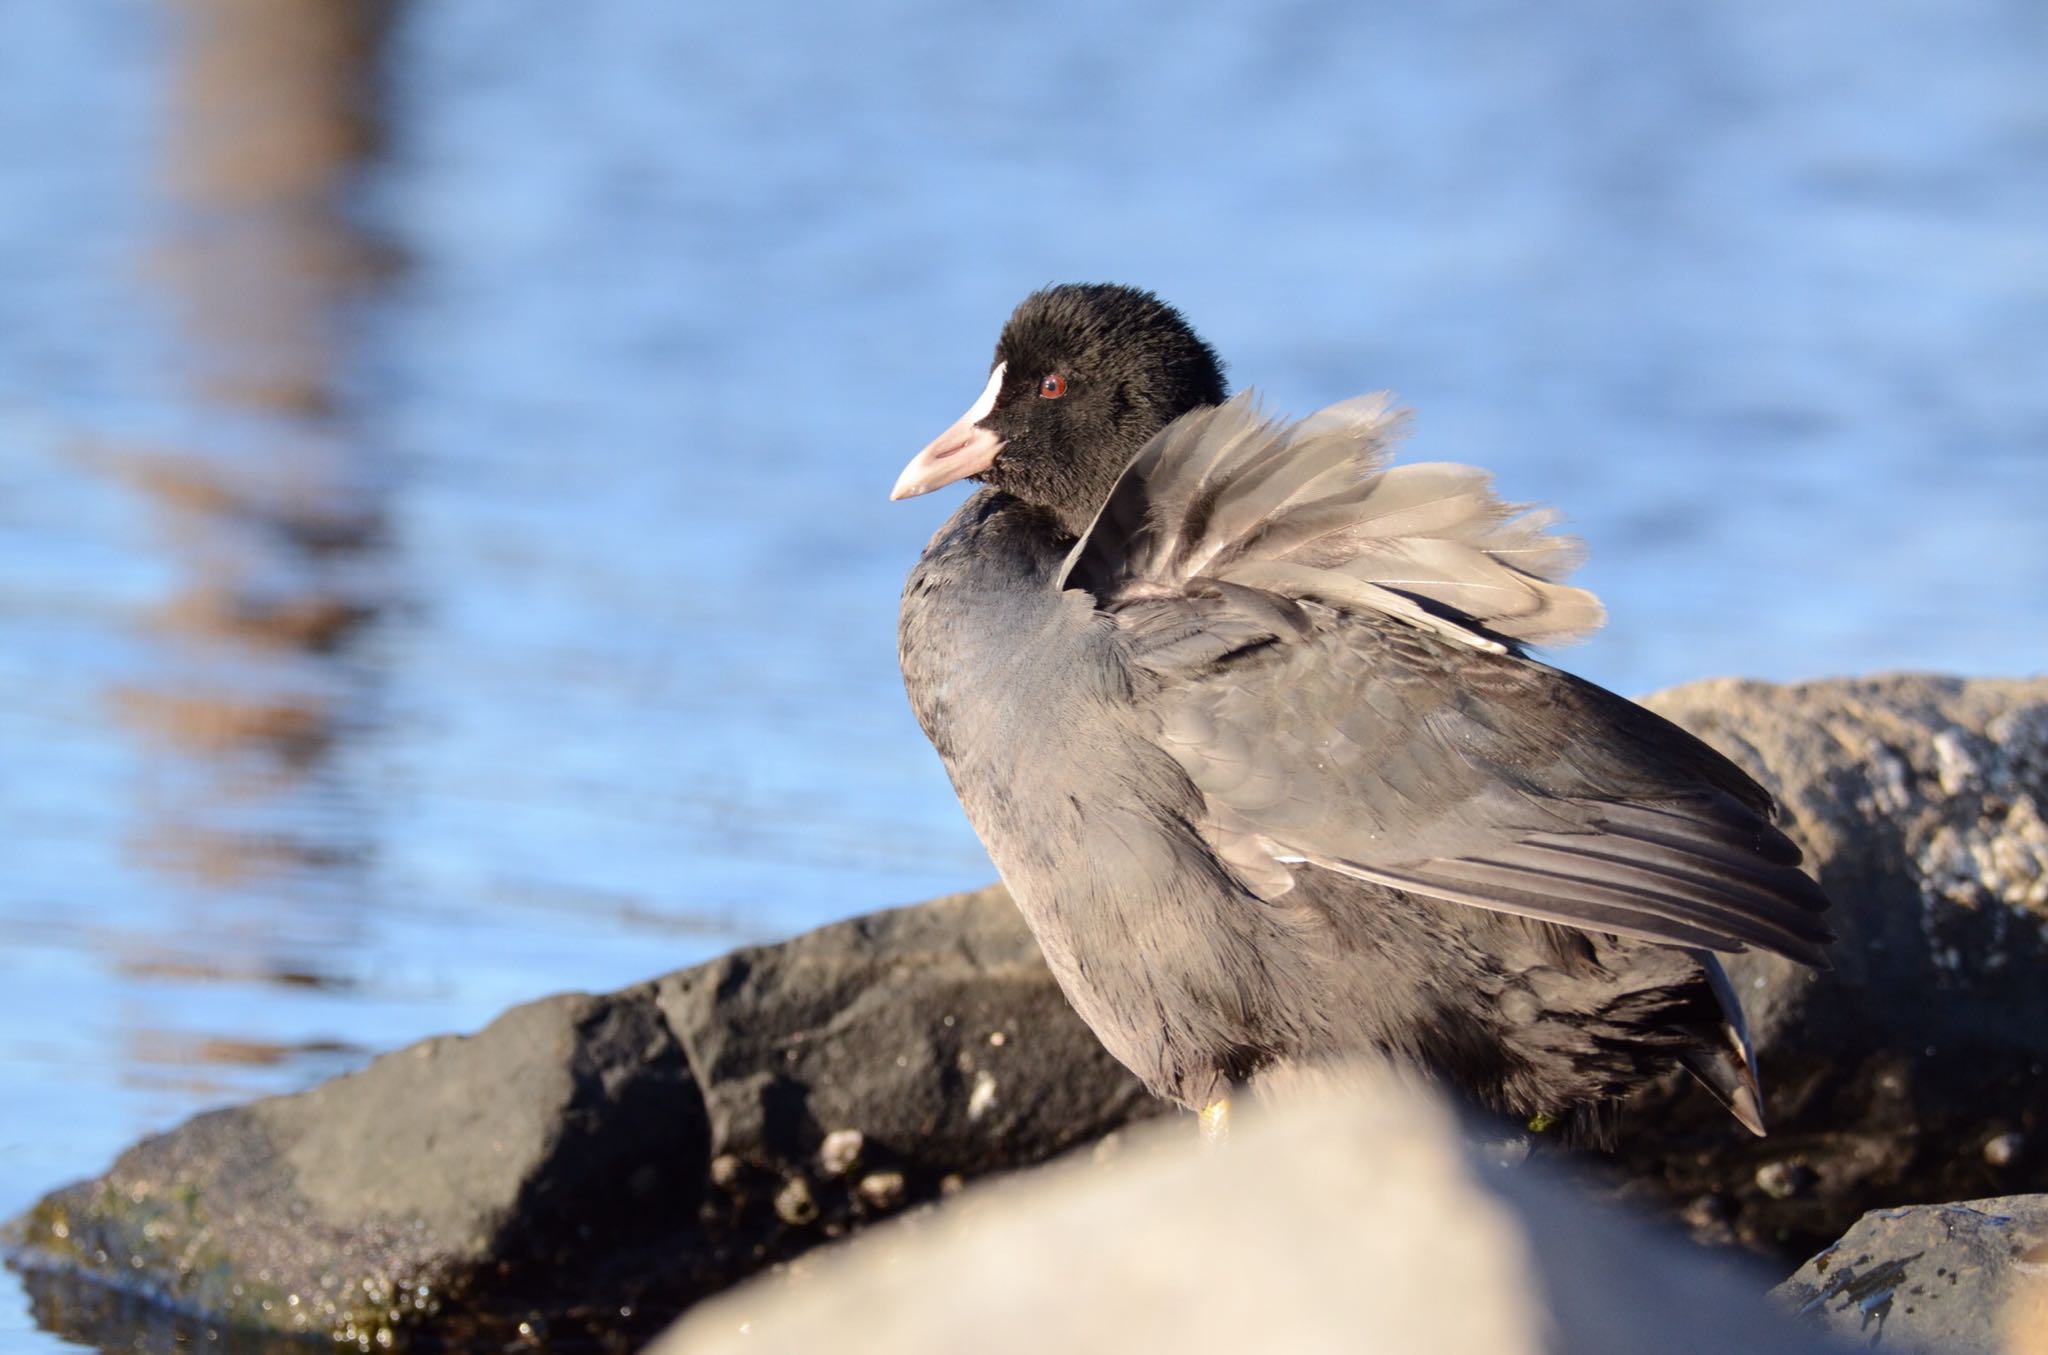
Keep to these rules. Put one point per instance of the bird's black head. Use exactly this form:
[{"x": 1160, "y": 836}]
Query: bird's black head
[{"x": 1083, "y": 376}]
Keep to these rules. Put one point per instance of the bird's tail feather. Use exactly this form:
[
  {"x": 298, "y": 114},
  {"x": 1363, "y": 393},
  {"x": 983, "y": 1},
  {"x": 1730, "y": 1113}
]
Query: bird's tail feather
[{"x": 1725, "y": 1061}]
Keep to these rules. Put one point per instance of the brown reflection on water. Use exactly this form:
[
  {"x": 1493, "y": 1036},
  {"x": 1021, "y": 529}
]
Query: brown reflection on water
[
  {"x": 273, "y": 112},
  {"x": 202, "y": 971},
  {"x": 162, "y": 1047},
  {"x": 268, "y": 508}
]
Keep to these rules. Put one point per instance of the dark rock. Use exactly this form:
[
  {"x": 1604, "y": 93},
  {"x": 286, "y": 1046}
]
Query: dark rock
[
  {"x": 1920, "y": 802},
  {"x": 1356, "y": 1219},
  {"x": 585, "y": 1166},
  {"x": 1961, "y": 1279},
  {"x": 932, "y": 1033},
  {"x": 433, "y": 1186}
]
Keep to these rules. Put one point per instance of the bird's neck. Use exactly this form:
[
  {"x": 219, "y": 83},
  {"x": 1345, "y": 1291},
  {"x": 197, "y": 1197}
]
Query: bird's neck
[{"x": 1063, "y": 498}]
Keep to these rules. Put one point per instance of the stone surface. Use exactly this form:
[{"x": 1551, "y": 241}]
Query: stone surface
[
  {"x": 1913, "y": 1072},
  {"x": 1356, "y": 1221},
  {"x": 1952, "y": 1279},
  {"x": 586, "y": 1166}
]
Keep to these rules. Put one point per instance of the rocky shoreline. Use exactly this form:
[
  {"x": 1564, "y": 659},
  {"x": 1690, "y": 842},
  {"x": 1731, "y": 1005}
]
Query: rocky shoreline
[{"x": 588, "y": 1167}]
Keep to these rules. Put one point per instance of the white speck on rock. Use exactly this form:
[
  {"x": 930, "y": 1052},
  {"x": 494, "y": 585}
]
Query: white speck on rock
[
  {"x": 1955, "y": 766},
  {"x": 983, "y": 1096},
  {"x": 840, "y": 1150},
  {"x": 794, "y": 1204},
  {"x": 1779, "y": 1180},
  {"x": 882, "y": 1190},
  {"x": 1891, "y": 783}
]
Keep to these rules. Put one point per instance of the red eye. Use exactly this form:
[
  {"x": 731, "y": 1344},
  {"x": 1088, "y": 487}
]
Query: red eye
[{"x": 1053, "y": 387}]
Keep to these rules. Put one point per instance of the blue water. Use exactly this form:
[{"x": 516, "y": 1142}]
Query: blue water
[{"x": 567, "y": 375}]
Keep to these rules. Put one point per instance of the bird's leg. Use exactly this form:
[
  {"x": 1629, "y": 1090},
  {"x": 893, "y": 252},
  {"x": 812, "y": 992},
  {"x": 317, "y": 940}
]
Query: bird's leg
[{"x": 1215, "y": 1121}]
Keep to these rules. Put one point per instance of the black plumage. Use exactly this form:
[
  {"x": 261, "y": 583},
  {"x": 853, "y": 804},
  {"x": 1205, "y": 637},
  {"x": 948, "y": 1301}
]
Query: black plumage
[{"x": 1245, "y": 719}]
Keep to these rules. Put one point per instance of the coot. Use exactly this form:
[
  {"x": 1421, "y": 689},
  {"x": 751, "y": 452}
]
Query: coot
[{"x": 1247, "y": 721}]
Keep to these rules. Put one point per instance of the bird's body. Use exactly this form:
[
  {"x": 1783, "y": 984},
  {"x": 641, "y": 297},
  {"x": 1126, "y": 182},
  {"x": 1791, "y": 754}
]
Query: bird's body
[{"x": 1270, "y": 801}]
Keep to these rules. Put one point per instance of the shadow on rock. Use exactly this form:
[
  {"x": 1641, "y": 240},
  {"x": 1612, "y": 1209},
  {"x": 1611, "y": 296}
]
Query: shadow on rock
[{"x": 1911, "y": 1073}]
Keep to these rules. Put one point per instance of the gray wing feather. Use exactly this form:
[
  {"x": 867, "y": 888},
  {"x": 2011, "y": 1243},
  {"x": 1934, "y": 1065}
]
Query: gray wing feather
[
  {"x": 1311, "y": 510},
  {"x": 1394, "y": 756},
  {"x": 1327, "y": 648}
]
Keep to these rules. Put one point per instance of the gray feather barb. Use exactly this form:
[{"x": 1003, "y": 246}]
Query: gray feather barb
[{"x": 1311, "y": 511}]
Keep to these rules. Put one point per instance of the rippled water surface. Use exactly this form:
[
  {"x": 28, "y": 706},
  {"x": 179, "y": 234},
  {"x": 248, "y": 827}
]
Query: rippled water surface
[{"x": 443, "y": 553}]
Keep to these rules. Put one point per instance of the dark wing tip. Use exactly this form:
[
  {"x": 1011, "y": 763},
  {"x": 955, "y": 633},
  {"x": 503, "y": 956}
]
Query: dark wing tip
[
  {"x": 1725, "y": 1060},
  {"x": 1742, "y": 1103}
]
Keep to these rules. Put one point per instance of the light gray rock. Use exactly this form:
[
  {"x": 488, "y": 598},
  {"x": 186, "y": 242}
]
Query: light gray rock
[
  {"x": 1352, "y": 1221},
  {"x": 1946, "y": 1279}
]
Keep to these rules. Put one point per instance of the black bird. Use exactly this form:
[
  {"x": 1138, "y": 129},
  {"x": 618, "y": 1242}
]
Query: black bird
[{"x": 1245, "y": 719}]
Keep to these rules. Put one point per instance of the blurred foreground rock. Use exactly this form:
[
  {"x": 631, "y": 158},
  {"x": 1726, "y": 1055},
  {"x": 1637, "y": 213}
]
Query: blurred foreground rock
[
  {"x": 1354, "y": 1222},
  {"x": 1913, "y": 1072},
  {"x": 586, "y": 1167},
  {"x": 1948, "y": 1279}
]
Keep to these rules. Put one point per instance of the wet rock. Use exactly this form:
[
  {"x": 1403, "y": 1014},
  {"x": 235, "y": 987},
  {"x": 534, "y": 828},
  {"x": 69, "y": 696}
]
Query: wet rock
[
  {"x": 586, "y": 1166},
  {"x": 1960, "y": 1279},
  {"x": 1919, "y": 801},
  {"x": 1355, "y": 1221},
  {"x": 444, "y": 1181}
]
